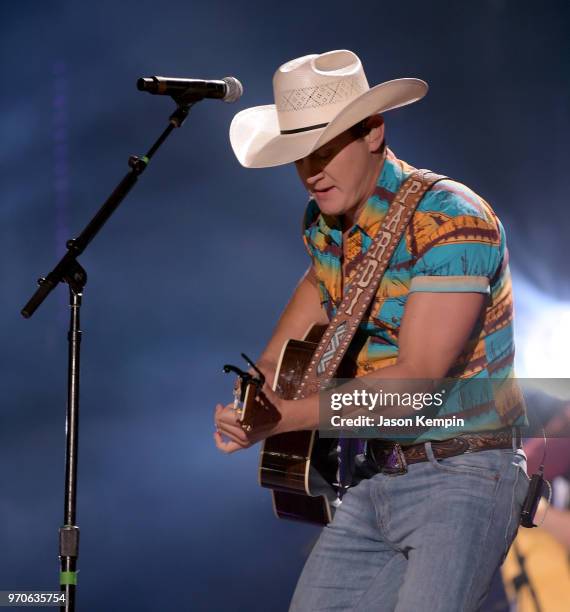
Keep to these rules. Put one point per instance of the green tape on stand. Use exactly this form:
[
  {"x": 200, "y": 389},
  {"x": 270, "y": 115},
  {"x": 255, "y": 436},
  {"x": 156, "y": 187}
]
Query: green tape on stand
[{"x": 67, "y": 578}]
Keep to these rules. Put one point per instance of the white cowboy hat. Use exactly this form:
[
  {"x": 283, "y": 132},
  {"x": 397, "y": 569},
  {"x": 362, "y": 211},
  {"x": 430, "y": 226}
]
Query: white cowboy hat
[{"x": 316, "y": 98}]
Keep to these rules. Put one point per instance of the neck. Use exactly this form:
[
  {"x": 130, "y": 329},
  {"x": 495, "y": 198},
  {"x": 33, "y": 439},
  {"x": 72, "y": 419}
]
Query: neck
[{"x": 350, "y": 217}]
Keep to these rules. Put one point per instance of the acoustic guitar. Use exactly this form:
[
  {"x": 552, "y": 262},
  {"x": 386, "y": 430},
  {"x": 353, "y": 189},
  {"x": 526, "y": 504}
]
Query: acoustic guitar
[{"x": 299, "y": 467}]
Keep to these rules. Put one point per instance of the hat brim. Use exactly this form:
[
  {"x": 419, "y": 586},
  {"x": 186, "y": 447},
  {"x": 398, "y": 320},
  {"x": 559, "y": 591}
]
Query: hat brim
[{"x": 258, "y": 143}]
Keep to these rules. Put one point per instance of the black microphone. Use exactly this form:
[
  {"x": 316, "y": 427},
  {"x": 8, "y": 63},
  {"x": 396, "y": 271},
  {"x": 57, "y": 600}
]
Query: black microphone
[{"x": 228, "y": 89}]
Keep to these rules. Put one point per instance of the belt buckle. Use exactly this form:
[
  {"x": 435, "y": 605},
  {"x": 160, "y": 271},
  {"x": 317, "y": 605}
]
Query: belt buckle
[{"x": 395, "y": 462}]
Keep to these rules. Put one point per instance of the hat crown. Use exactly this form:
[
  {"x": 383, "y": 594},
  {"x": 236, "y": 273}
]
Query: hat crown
[
  {"x": 317, "y": 97},
  {"x": 311, "y": 90}
]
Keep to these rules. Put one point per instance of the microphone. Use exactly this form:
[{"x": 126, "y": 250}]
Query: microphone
[{"x": 228, "y": 89}]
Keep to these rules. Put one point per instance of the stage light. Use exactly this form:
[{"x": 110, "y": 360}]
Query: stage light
[{"x": 542, "y": 339}]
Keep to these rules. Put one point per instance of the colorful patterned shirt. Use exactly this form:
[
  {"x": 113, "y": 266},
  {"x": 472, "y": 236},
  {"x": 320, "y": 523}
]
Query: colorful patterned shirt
[{"x": 454, "y": 243}]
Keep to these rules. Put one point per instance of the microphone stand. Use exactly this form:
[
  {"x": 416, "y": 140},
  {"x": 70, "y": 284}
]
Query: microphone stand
[{"x": 70, "y": 271}]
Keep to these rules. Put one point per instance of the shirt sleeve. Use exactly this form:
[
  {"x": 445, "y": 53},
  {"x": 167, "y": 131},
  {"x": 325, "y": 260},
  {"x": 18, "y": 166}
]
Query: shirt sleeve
[{"x": 463, "y": 255}]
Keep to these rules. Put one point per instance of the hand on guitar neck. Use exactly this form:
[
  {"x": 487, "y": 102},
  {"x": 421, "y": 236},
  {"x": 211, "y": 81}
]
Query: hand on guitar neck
[
  {"x": 230, "y": 434},
  {"x": 302, "y": 311}
]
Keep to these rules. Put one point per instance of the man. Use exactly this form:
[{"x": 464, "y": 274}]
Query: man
[{"x": 432, "y": 536}]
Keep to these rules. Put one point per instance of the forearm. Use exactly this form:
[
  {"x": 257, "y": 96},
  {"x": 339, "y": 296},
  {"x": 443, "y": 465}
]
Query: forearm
[{"x": 302, "y": 311}]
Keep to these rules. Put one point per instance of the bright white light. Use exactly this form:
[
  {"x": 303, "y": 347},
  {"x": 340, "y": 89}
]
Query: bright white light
[
  {"x": 542, "y": 338},
  {"x": 546, "y": 346}
]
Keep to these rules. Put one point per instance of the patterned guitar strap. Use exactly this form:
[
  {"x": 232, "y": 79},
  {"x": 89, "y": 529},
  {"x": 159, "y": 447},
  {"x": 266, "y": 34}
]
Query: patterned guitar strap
[{"x": 340, "y": 332}]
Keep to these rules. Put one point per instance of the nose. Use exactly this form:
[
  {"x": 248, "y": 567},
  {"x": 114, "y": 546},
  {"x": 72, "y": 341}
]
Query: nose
[{"x": 310, "y": 169}]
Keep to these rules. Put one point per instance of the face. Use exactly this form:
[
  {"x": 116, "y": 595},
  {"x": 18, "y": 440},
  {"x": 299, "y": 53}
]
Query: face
[{"x": 341, "y": 175}]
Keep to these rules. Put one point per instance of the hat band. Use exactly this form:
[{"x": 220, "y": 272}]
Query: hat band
[{"x": 304, "y": 129}]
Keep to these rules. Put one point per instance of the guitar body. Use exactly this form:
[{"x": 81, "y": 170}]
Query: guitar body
[{"x": 299, "y": 467}]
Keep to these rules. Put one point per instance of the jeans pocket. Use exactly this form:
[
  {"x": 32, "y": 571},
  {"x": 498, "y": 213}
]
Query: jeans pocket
[
  {"x": 522, "y": 483},
  {"x": 487, "y": 464},
  {"x": 519, "y": 492}
]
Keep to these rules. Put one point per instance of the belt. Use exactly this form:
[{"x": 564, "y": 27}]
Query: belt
[{"x": 391, "y": 457}]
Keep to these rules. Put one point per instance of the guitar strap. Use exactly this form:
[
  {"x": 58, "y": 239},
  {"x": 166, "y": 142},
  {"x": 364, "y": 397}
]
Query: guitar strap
[{"x": 340, "y": 332}]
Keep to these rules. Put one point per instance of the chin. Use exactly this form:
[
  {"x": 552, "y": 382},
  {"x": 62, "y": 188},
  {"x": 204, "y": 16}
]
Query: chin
[{"x": 331, "y": 208}]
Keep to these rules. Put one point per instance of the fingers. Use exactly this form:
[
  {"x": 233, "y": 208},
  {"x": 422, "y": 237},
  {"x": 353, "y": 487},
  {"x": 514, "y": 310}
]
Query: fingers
[
  {"x": 230, "y": 446},
  {"x": 226, "y": 447},
  {"x": 234, "y": 432},
  {"x": 225, "y": 417},
  {"x": 226, "y": 424}
]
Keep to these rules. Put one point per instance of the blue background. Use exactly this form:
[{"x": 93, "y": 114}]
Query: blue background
[{"x": 197, "y": 264}]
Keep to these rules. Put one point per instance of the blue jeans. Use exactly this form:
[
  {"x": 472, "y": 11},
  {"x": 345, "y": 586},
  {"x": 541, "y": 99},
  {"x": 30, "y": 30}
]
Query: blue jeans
[{"x": 430, "y": 539}]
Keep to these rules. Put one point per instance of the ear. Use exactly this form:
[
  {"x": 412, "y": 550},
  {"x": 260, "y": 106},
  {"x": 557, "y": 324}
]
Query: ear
[{"x": 375, "y": 137}]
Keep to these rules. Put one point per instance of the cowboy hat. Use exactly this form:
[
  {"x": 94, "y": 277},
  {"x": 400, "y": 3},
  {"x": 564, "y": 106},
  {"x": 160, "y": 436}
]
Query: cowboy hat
[{"x": 316, "y": 98}]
